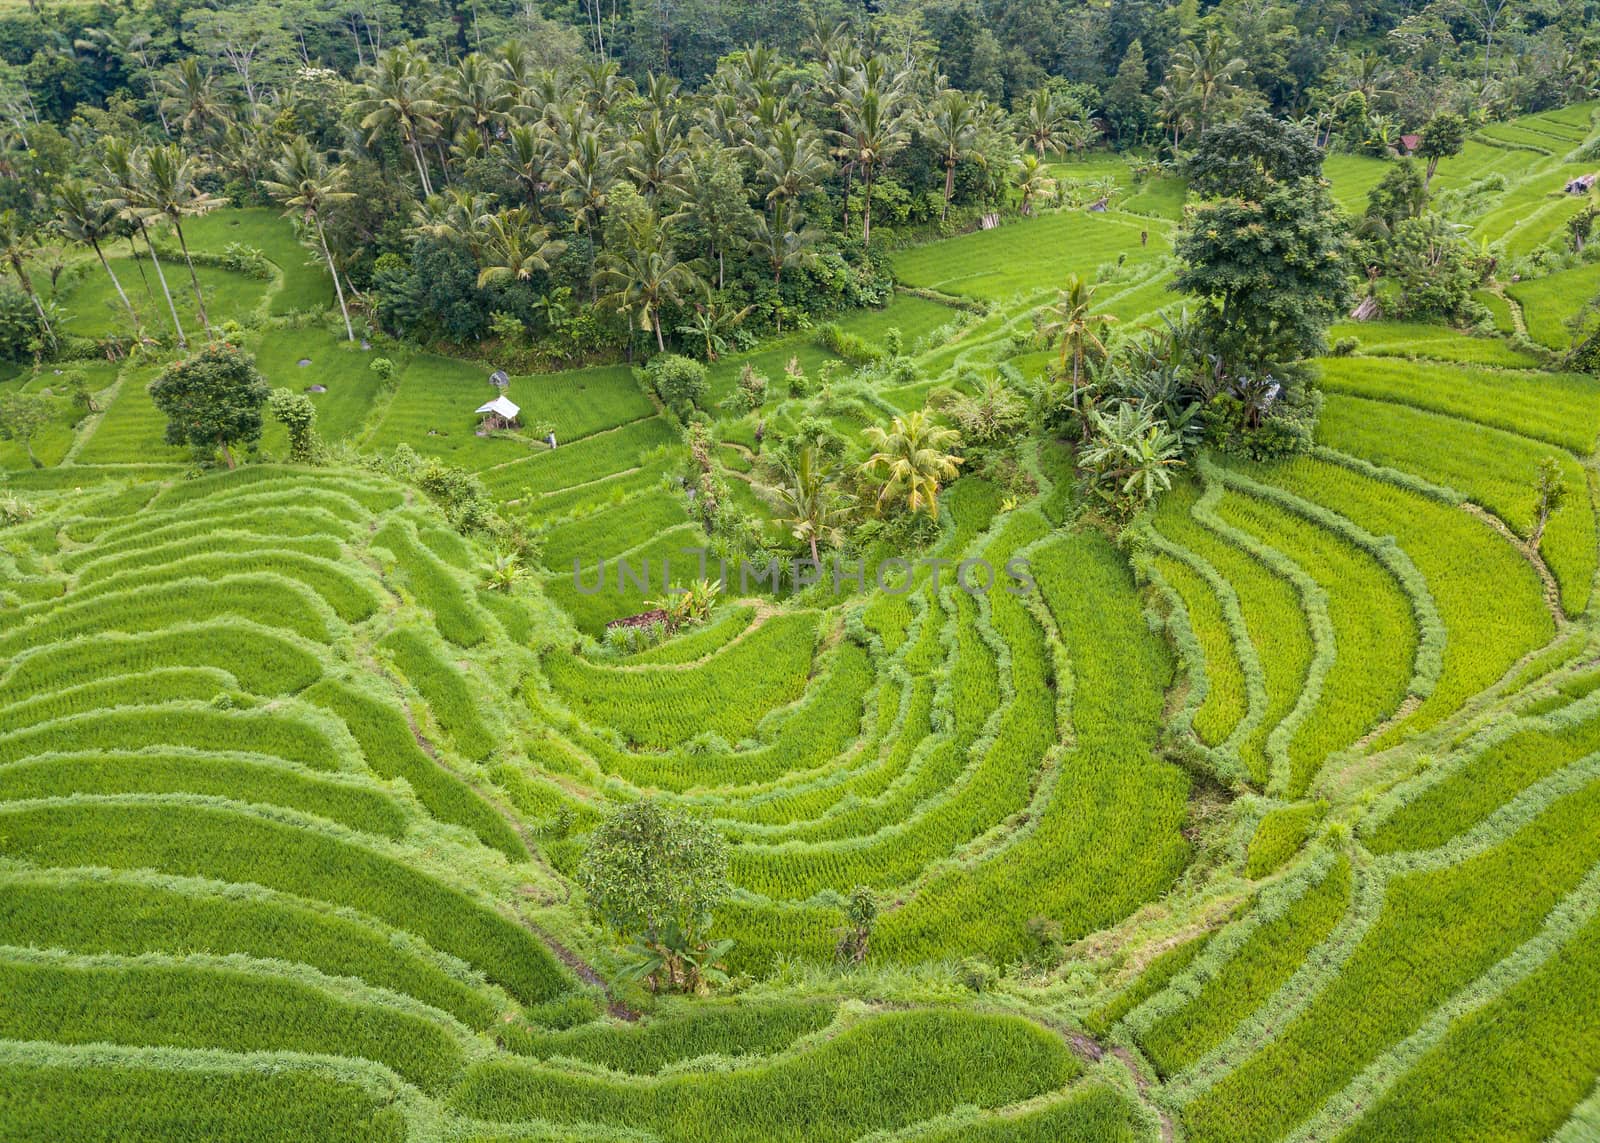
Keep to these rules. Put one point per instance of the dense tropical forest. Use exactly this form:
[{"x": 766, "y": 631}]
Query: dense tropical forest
[{"x": 692, "y": 570}]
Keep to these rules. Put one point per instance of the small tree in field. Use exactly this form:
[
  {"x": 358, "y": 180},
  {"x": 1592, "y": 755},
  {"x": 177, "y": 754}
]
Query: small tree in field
[
  {"x": 297, "y": 414},
  {"x": 1550, "y": 489},
  {"x": 654, "y": 875},
  {"x": 22, "y": 415},
  {"x": 1443, "y": 137},
  {"x": 212, "y": 400},
  {"x": 860, "y": 914}
]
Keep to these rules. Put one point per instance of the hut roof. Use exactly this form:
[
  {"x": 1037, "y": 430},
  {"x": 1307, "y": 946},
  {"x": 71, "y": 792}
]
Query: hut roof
[{"x": 502, "y": 407}]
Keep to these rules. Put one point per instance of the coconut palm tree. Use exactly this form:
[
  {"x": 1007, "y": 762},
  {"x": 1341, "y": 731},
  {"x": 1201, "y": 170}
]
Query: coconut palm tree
[
  {"x": 813, "y": 506},
  {"x": 526, "y": 155},
  {"x": 876, "y": 125},
  {"x": 953, "y": 123},
  {"x": 119, "y": 161},
  {"x": 303, "y": 184},
  {"x": 514, "y": 248},
  {"x": 166, "y": 184},
  {"x": 1078, "y": 329},
  {"x": 791, "y": 162},
  {"x": 85, "y": 217},
  {"x": 16, "y": 247},
  {"x": 1040, "y": 123},
  {"x": 395, "y": 92},
  {"x": 1207, "y": 71},
  {"x": 786, "y": 240},
  {"x": 912, "y": 460},
  {"x": 189, "y": 97},
  {"x": 1032, "y": 180},
  {"x": 644, "y": 277},
  {"x": 585, "y": 187}
]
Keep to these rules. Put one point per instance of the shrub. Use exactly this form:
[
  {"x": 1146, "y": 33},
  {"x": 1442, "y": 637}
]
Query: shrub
[{"x": 681, "y": 383}]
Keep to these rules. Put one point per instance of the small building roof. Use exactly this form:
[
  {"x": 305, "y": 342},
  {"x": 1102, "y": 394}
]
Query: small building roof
[
  {"x": 501, "y": 406},
  {"x": 1411, "y": 142}
]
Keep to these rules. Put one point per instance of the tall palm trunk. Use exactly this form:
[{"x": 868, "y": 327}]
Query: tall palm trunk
[
  {"x": 138, "y": 260},
  {"x": 866, "y": 210},
  {"x": 655, "y": 317},
  {"x": 38, "y": 306},
  {"x": 161, "y": 276},
  {"x": 112, "y": 274},
  {"x": 194, "y": 279},
  {"x": 949, "y": 188},
  {"x": 337, "y": 288},
  {"x": 422, "y": 168}
]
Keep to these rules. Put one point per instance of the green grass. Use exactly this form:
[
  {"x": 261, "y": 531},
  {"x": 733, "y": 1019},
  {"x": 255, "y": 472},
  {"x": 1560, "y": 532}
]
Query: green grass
[
  {"x": 1558, "y": 408},
  {"x": 129, "y": 915},
  {"x": 1493, "y": 468},
  {"x": 1548, "y": 302},
  {"x": 706, "y": 1029},
  {"x": 886, "y": 1073},
  {"x": 260, "y": 1103},
  {"x": 95, "y": 310},
  {"x": 1511, "y": 1070},
  {"x": 206, "y": 1006},
  {"x": 1245, "y": 980},
  {"x": 211, "y": 841},
  {"x": 1029, "y": 255},
  {"x": 1439, "y": 930},
  {"x": 338, "y": 366},
  {"x": 1279, "y": 837},
  {"x": 660, "y": 707},
  {"x": 305, "y": 276}
]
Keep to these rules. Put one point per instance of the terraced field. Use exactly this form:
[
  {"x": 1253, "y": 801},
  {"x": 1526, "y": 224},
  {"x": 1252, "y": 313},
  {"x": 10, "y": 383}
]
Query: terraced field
[{"x": 1280, "y": 822}]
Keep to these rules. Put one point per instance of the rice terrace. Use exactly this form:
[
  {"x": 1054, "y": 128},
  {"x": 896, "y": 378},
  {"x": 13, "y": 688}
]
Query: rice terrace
[{"x": 925, "y": 570}]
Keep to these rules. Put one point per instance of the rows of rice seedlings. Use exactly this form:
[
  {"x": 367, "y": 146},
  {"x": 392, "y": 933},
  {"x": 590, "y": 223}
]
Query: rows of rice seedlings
[
  {"x": 658, "y": 707},
  {"x": 1514, "y": 1069},
  {"x": 610, "y": 529},
  {"x": 1438, "y": 929},
  {"x": 726, "y": 625},
  {"x": 712, "y": 1028},
  {"x": 260, "y": 660},
  {"x": 391, "y": 750},
  {"x": 1425, "y": 342},
  {"x": 1495, "y": 469},
  {"x": 1488, "y": 597},
  {"x": 1090, "y": 855},
  {"x": 1279, "y": 835},
  {"x": 289, "y": 732},
  {"x": 203, "y": 1002},
  {"x": 580, "y": 402},
  {"x": 194, "y": 838},
  {"x": 1558, "y": 408},
  {"x": 74, "y": 1093},
  {"x": 1485, "y": 776},
  {"x": 256, "y": 779},
  {"x": 97, "y": 911},
  {"x": 805, "y": 738},
  {"x": 1369, "y": 621},
  {"x": 432, "y": 411},
  {"x": 883, "y": 1073},
  {"x": 1150, "y": 977},
  {"x": 342, "y": 370},
  {"x": 423, "y": 663},
  {"x": 1226, "y": 691},
  {"x": 994, "y": 758},
  {"x": 1093, "y": 1114},
  {"x": 1243, "y": 966},
  {"x": 593, "y": 458},
  {"x": 1275, "y": 622},
  {"x": 1548, "y": 303},
  {"x": 1027, "y": 255},
  {"x": 434, "y": 584},
  {"x": 131, "y": 430}
]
